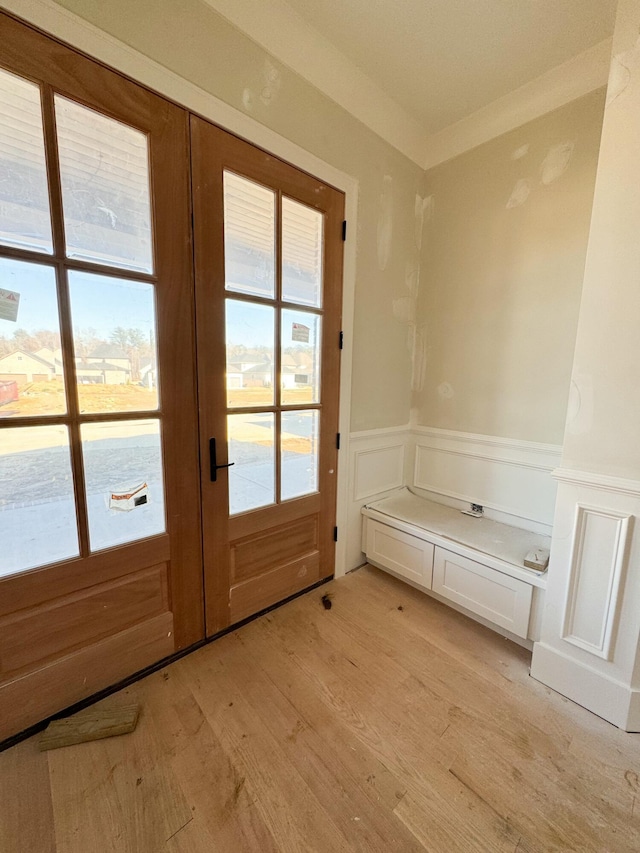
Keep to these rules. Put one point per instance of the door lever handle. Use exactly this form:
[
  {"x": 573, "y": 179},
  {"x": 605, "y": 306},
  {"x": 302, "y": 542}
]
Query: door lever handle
[{"x": 213, "y": 464}]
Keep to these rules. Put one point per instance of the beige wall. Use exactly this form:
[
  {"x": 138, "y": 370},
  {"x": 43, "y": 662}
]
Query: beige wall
[
  {"x": 603, "y": 427},
  {"x": 191, "y": 39},
  {"x": 503, "y": 255}
]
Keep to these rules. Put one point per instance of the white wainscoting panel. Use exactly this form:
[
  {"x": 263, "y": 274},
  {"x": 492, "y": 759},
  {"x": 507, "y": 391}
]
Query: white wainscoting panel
[
  {"x": 378, "y": 469},
  {"x": 589, "y": 647},
  {"x": 597, "y": 564},
  {"x": 377, "y": 466},
  {"x": 509, "y": 477}
]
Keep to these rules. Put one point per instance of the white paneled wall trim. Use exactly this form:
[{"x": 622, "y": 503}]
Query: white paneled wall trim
[
  {"x": 511, "y": 478},
  {"x": 597, "y": 563},
  {"x": 618, "y": 485},
  {"x": 589, "y": 647},
  {"x": 377, "y": 465}
]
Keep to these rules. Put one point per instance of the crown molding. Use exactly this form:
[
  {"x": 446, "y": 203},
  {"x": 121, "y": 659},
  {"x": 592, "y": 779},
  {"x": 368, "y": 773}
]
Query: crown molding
[
  {"x": 291, "y": 40},
  {"x": 583, "y": 74},
  {"x": 281, "y": 31}
]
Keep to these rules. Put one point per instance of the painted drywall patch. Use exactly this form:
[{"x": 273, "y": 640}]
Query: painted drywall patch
[
  {"x": 412, "y": 277},
  {"x": 623, "y": 67},
  {"x": 424, "y": 208},
  {"x": 445, "y": 390},
  {"x": 385, "y": 222},
  {"x": 519, "y": 194},
  {"x": 268, "y": 85},
  {"x": 580, "y": 405},
  {"x": 272, "y": 82},
  {"x": 404, "y": 309},
  {"x": 520, "y": 152},
  {"x": 556, "y": 162},
  {"x": 418, "y": 357}
]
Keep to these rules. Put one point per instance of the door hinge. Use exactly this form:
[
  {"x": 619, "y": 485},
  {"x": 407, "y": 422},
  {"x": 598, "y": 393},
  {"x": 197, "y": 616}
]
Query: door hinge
[
  {"x": 344, "y": 229},
  {"x": 335, "y": 534},
  {"x": 338, "y": 441},
  {"x": 341, "y": 340}
]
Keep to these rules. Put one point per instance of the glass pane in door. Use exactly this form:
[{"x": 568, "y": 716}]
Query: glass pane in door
[
  {"x": 250, "y": 439},
  {"x": 114, "y": 338},
  {"x": 37, "y": 508},
  {"x": 124, "y": 482},
  {"x": 302, "y": 244},
  {"x": 249, "y": 236},
  {"x": 299, "y": 453},
  {"x": 25, "y": 219},
  {"x": 31, "y": 374},
  {"x": 300, "y": 341},
  {"x": 250, "y": 336},
  {"x": 104, "y": 169}
]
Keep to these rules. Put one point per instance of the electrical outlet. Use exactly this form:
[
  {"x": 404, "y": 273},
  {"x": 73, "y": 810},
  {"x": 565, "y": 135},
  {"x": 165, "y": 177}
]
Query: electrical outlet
[{"x": 475, "y": 510}]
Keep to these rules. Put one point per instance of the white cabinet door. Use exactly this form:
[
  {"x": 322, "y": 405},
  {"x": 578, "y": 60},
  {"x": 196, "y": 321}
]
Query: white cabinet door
[
  {"x": 404, "y": 554},
  {"x": 501, "y": 599}
]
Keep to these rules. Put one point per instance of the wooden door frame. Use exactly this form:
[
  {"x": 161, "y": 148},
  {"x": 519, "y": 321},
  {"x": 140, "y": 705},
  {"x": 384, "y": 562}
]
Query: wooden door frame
[{"x": 99, "y": 45}]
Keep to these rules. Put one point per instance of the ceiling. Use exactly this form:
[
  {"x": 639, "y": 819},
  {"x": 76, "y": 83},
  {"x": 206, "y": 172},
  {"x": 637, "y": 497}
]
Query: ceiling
[
  {"x": 442, "y": 60},
  {"x": 437, "y": 77}
]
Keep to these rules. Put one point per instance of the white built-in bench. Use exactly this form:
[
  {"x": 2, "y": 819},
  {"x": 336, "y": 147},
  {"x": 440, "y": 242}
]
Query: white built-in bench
[{"x": 475, "y": 564}]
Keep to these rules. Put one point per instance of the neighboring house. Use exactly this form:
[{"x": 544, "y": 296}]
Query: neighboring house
[
  {"x": 25, "y": 367},
  {"x": 106, "y": 365},
  {"x": 297, "y": 371},
  {"x": 102, "y": 373},
  {"x": 148, "y": 372},
  {"x": 255, "y": 370},
  {"x": 250, "y": 370},
  {"x": 52, "y": 357},
  {"x": 113, "y": 354}
]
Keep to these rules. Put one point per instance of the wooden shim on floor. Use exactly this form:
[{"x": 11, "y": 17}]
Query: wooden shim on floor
[{"x": 93, "y": 724}]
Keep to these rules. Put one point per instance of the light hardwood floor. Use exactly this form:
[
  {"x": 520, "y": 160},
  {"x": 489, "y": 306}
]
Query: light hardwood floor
[{"x": 387, "y": 723}]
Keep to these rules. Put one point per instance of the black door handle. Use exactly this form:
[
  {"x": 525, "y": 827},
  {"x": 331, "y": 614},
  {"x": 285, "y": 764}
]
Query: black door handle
[{"x": 213, "y": 465}]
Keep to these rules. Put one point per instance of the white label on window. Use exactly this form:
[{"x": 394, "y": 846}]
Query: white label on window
[
  {"x": 126, "y": 501},
  {"x": 9, "y": 302},
  {"x": 300, "y": 333}
]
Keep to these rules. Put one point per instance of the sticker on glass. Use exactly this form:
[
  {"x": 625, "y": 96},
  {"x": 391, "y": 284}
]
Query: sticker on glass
[
  {"x": 9, "y": 302},
  {"x": 128, "y": 500},
  {"x": 300, "y": 333}
]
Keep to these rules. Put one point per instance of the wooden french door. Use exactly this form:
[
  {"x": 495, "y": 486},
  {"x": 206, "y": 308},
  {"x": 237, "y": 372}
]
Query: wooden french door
[
  {"x": 100, "y": 545},
  {"x": 268, "y": 264}
]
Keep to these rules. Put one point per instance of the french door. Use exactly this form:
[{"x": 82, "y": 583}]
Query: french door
[
  {"x": 268, "y": 264},
  {"x": 145, "y": 419},
  {"x": 100, "y": 546}
]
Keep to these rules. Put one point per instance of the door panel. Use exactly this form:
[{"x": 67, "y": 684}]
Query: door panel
[
  {"x": 268, "y": 252},
  {"x": 100, "y": 566}
]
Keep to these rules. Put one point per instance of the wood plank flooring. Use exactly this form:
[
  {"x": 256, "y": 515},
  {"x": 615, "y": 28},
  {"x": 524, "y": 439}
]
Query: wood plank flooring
[{"x": 388, "y": 723}]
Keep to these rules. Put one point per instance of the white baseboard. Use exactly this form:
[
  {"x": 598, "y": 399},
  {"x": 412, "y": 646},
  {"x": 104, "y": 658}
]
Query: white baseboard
[{"x": 602, "y": 695}]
